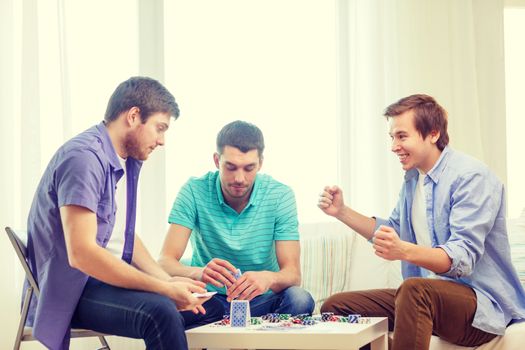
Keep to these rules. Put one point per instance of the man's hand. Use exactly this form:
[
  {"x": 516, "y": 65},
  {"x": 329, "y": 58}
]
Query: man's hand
[
  {"x": 388, "y": 245},
  {"x": 331, "y": 201},
  {"x": 250, "y": 285},
  {"x": 219, "y": 272},
  {"x": 181, "y": 293}
]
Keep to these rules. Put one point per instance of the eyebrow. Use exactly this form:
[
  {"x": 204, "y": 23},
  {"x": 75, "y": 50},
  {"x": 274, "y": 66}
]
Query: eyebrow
[
  {"x": 244, "y": 166},
  {"x": 397, "y": 133}
]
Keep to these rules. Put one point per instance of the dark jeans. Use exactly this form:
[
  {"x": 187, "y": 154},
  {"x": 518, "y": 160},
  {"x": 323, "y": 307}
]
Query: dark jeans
[
  {"x": 419, "y": 308},
  {"x": 137, "y": 314},
  {"x": 292, "y": 300}
]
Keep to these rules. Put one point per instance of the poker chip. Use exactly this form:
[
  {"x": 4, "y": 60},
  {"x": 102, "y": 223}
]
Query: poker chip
[
  {"x": 309, "y": 322},
  {"x": 364, "y": 320},
  {"x": 301, "y": 316},
  {"x": 326, "y": 316},
  {"x": 354, "y": 318},
  {"x": 256, "y": 320},
  {"x": 282, "y": 320}
]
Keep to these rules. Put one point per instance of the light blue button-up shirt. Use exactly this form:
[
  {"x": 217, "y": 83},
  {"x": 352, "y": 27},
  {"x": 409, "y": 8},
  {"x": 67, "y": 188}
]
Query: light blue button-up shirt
[{"x": 465, "y": 207}]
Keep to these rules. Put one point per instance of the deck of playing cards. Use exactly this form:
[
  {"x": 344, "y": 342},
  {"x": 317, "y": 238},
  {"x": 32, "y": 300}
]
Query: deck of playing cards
[{"x": 240, "y": 313}]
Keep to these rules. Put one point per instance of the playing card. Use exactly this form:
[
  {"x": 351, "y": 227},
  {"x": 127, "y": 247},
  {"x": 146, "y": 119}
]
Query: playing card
[
  {"x": 204, "y": 295},
  {"x": 237, "y": 274},
  {"x": 240, "y": 313}
]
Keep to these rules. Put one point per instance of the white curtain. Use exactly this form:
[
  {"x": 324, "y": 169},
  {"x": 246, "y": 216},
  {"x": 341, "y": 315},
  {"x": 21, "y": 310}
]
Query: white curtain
[
  {"x": 449, "y": 49},
  {"x": 60, "y": 63}
]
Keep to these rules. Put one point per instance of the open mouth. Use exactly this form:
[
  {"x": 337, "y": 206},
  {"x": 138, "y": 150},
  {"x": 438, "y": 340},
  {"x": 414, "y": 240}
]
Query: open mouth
[{"x": 402, "y": 157}]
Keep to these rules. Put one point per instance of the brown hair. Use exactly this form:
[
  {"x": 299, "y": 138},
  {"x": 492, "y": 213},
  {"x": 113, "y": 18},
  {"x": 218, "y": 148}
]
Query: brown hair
[
  {"x": 242, "y": 135},
  {"x": 428, "y": 116},
  {"x": 147, "y": 94}
]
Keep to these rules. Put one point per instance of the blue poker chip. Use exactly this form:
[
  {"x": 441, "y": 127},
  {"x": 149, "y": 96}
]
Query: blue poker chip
[
  {"x": 308, "y": 322},
  {"x": 301, "y": 316},
  {"x": 354, "y": 318}
]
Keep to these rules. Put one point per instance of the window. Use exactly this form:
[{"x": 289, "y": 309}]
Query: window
[
  {"x": 514, "y": 76},
  {"x": 272, "y": 64}
]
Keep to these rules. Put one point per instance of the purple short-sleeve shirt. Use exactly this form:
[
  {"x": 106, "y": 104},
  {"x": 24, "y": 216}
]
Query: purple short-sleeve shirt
[{"x": 83, "y": 172}]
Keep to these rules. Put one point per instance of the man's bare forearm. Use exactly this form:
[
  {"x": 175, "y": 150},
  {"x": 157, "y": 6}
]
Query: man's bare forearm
[{"x": 361, "y": 224}]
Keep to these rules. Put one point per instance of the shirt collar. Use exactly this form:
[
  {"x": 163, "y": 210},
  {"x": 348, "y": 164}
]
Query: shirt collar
[
  {"x": 437, "y": 169},
  {"x": 253, "y": 196},
  {"x": 107, "y": 147},
  {"x": 111, "y": 153}
]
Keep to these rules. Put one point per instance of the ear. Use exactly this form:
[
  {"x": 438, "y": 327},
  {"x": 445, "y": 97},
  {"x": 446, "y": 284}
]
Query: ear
[
  {"x": 133, "y": 116},
  {"x": 261, "y": 158},
  {"x": 216, "y": 158},
  {"x": 434, "y": 136}
]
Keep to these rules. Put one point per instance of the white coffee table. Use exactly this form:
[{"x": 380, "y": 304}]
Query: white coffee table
[{"x": 323, "y": 335}]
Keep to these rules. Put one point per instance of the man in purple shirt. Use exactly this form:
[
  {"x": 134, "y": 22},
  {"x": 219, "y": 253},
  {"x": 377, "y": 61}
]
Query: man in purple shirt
[{"x": 84, "y": 284}]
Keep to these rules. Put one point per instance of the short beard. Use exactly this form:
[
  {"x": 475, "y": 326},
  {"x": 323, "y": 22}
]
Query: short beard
[{"x": 132, "y": 146}]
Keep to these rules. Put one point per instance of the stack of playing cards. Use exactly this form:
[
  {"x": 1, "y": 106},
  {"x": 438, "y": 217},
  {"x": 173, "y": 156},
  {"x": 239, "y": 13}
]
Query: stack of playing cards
[
  {"x": 237, "y": 274},
  {"x": 240, "y": 313}
]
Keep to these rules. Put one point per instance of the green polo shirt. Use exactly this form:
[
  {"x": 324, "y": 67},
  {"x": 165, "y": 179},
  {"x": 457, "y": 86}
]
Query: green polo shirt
[{"x": 247, "y": 239}]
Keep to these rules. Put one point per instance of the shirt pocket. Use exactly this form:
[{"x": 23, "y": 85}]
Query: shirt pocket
[
  {"x": 105, "y": 223},
  {"x": 105, "y": 213}
]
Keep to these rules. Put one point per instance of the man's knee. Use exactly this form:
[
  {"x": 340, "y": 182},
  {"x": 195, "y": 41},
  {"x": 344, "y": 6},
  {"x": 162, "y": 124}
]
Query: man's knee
[
  {"x": 161, "y": 312},
  {"x": 301, "y": 299},
  {"x": 328, "y": 305},
  {"x": 410, "y": 288}
]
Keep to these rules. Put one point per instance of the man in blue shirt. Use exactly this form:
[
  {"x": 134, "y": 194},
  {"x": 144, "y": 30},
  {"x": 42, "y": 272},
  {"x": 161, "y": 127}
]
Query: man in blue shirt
[
  {"x": 85, "y": 203},
  {"x": 239, "y": 219},
  {"x": 448, "y": 229}
]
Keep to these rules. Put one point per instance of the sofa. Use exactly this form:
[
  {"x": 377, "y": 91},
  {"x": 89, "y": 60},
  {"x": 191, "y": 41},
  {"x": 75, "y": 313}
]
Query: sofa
[{"x": 335, "y": 259}]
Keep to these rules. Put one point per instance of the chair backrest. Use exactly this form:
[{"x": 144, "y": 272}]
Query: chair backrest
[{"x": 18, "y": 240}]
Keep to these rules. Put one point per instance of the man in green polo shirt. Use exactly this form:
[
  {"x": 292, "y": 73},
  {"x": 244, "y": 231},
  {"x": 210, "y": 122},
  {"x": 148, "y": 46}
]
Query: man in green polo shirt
[{"x": 238, "y": 219}]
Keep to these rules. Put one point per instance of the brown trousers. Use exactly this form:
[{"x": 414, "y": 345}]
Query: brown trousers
[{"x": 419, "y": 308}]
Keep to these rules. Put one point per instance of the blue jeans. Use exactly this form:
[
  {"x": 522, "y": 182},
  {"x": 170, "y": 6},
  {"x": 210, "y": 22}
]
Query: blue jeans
[
  {"x": 137, "y": 314},
  {"x": 292, "y": 300}
]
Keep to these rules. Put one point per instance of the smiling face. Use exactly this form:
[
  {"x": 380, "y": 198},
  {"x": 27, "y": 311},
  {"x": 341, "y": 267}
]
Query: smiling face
[
  {"x": 412, "y": 149},
  {"x": 237, "y": 171},
  {"x": 143, "y": 138}
]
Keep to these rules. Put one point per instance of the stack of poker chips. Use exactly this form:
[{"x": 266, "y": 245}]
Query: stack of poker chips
[
  {"x": 225, "y": 320},
  {"x": 285, "y": 320},
  {"x": 271, "y": 317},
  {"x": 256, "y": 320},
  {"x": 364, "y": 320},
  {"x": 326, "y": 316},
  {"x": 301, "y": 316},
  {"x": 284, "y": 317},
  {"x": 305, "y": 319},
  {"x": 354, "y": 318},
  {"x": 308, "y": 322}
]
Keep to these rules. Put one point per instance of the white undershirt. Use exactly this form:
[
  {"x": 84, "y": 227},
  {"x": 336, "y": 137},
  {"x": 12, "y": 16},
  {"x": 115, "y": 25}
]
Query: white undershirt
[
  {"x": 116, "y": 242},
  {"x": 419, "y": 216}
]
